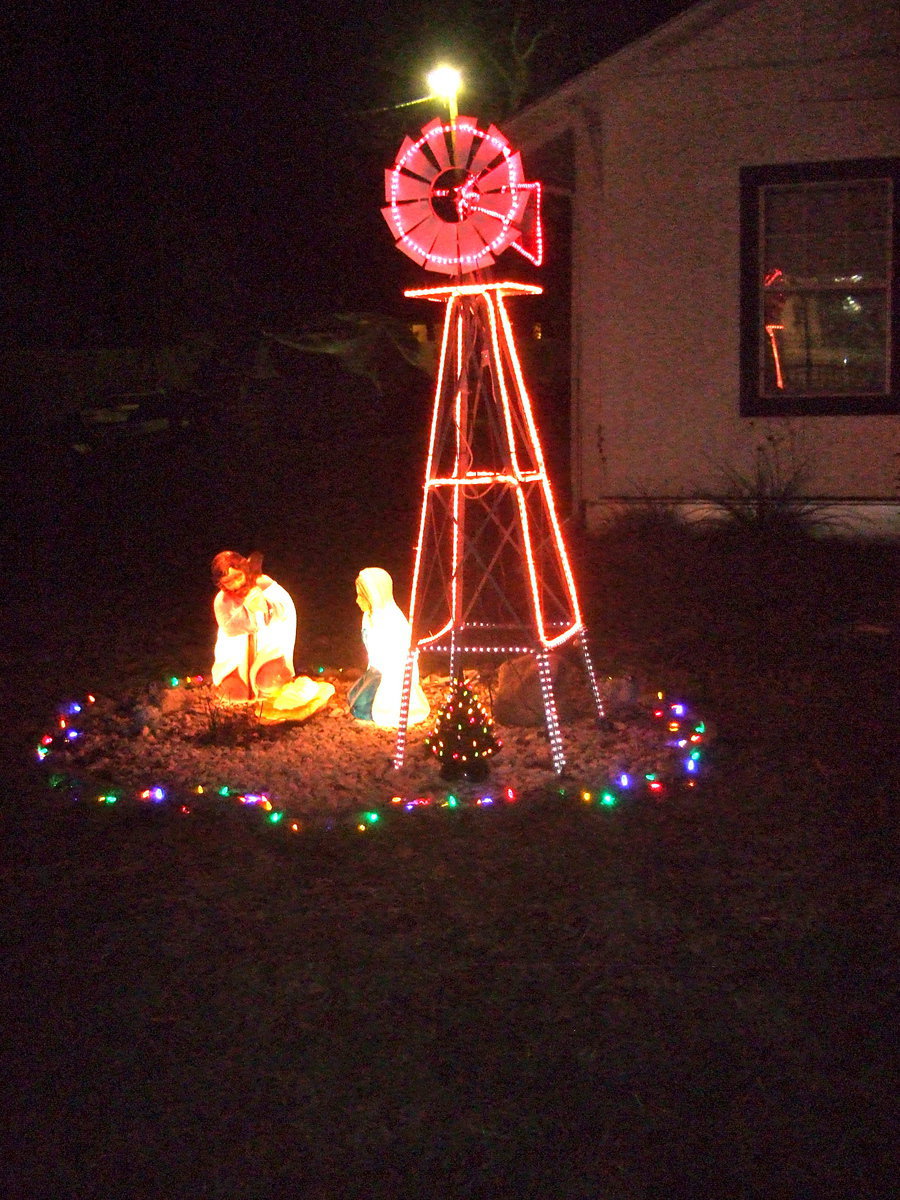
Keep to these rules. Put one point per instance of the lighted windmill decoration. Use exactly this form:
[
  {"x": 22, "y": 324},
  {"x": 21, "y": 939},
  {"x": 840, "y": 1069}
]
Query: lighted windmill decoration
[{"x": 492, "y": 574}]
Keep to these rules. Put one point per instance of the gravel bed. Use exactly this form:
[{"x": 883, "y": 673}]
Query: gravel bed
[{"x": 182, "y": 738}]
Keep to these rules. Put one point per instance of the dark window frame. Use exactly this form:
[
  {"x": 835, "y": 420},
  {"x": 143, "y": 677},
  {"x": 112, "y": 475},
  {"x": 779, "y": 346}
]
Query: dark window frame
[{"x": 753, "y": 403}]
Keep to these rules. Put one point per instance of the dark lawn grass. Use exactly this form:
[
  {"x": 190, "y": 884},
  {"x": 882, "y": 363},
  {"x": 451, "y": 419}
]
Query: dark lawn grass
[{"x": 694, "y": 998}]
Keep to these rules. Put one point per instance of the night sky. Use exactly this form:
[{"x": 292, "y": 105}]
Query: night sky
[{"x": 172, "y": 163}]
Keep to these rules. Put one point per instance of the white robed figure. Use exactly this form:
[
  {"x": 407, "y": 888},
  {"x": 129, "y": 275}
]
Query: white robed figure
[
  {"x": 386, "y": 635},
  {"x": 257, "y": 628}
]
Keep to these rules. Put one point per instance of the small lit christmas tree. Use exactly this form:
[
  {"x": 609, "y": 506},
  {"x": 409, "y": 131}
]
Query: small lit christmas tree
[{"x": 463, "y": 736}]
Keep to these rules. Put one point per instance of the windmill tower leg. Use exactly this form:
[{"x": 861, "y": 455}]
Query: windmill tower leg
[
  {"x": 492, "y": 573},
  {"x": 591, "y": 676}
]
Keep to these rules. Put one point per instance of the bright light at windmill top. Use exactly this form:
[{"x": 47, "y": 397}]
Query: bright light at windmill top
[{"x": 444, "y": 81}]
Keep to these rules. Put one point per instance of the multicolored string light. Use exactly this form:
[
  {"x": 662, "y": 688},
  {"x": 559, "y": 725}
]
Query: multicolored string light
[{"x": 681, "y": 733}]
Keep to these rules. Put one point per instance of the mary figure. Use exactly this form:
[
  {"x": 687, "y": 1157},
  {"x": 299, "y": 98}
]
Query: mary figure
[{"x": 386, "y": 635}]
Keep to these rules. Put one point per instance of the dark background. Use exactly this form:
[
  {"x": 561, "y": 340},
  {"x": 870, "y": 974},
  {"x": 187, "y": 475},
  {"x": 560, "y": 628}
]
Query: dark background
[{"x": 173, "y": 166}]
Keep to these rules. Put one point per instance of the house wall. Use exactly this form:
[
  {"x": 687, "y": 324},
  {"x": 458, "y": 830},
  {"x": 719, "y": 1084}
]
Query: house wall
[{"x": 661, "y": 134}]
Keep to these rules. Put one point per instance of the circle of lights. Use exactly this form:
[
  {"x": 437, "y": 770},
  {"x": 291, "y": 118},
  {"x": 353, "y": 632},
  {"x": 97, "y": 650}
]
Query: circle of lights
[
  {"x": 490, "y": 187},
  {"x": 684, "y": 737}
]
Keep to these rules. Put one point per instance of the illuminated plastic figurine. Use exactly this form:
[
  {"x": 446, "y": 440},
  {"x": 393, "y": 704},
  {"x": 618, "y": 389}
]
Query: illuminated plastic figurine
[
  {"x": 257, "y": 622},
  {"x": 254, "y": 654},
  {"x": 385, "y": 631}
]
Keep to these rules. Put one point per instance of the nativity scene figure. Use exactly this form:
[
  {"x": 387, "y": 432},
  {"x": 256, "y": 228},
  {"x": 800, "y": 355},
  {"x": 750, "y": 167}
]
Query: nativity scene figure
[
  {"x": 253, "y": 660},
  {"x": 376, "y": 696}
]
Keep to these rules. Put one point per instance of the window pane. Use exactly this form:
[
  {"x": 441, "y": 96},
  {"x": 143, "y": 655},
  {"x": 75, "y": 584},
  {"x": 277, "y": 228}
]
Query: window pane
[
  {"x": 868, "y": 253},
  {"x": 827, "y": 232},
  {"x": 785, "y": 210},
  {"x": 828, "y": 342},
  {"x": 825, "y": 260}
]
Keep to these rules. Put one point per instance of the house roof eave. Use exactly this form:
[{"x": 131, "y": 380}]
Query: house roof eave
[{"x": 557, "y": 112}]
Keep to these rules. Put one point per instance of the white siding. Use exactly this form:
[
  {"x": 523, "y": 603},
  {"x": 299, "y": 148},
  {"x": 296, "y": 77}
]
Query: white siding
[{"x": 662, "y": 131}]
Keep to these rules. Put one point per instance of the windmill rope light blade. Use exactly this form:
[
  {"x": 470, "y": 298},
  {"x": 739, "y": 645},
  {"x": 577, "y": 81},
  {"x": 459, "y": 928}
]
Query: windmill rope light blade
[{"x": 457, "y": 198}]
